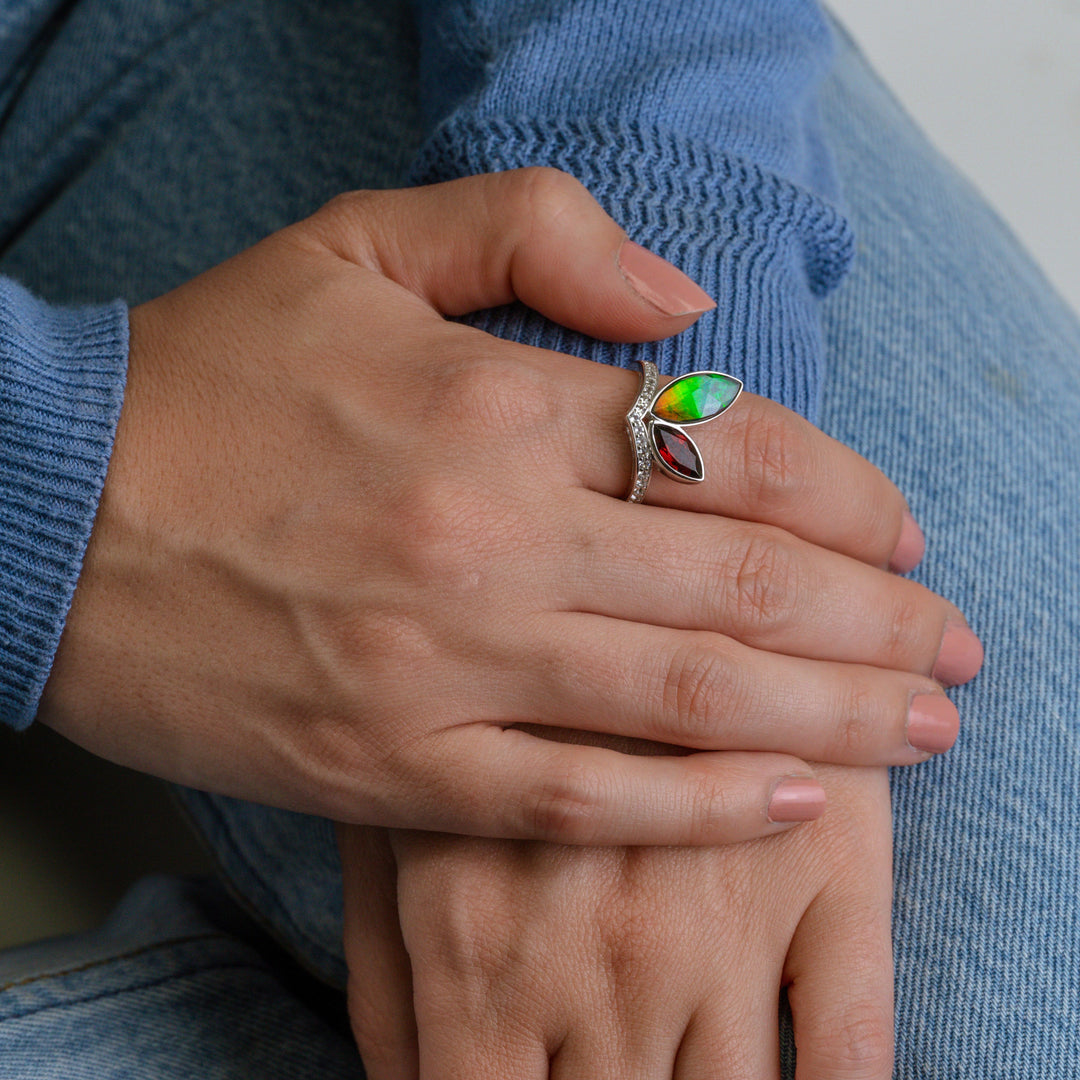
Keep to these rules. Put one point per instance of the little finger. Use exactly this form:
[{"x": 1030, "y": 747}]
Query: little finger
[{"x": 840, "y": 963}]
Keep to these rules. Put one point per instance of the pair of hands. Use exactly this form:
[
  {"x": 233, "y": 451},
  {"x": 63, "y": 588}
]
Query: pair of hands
[{"x": 356, "y": 560}]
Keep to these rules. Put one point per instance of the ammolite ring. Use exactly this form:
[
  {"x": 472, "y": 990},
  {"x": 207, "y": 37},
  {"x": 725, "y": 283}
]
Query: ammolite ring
[{"x": 656, "y": 423}]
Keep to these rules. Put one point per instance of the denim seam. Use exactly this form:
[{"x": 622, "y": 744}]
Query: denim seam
[
  {"x": 42, "y": 38},
  {"x": 104, "y": 994},
  {"x": 90, "y": 965},
  {"x": 107, "y": 92}
]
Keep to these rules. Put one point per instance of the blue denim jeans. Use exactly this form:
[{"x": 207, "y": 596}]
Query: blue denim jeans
[{"x": 951, "y": 364}]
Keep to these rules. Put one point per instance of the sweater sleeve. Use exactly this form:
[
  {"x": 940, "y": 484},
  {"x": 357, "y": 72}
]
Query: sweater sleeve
[
  {"x": 695, "y": 126},
  {"x": 62, "y": 375}
]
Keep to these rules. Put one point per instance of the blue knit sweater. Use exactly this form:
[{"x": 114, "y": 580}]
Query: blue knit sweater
[{"x": 693, "y": 123}]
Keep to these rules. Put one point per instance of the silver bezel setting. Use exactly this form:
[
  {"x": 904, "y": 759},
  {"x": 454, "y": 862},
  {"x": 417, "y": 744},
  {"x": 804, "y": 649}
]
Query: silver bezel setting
[{"x": 652, "y": 424}]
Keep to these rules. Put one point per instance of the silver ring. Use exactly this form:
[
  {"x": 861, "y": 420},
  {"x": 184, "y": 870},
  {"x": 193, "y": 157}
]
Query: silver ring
[{"x": 658, "y": 418}]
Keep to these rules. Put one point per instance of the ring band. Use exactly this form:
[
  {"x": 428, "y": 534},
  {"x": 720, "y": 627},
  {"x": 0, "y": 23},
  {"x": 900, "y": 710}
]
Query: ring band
[{"x": 658, "y": 418}]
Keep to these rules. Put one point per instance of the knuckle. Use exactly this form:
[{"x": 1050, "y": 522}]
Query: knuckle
[
  {"x": 348, "y": 213},
  {"x": 474, "y": 943},
  {"x": 714, "y": 807},
  {"x": 387, "y": 636},
  {"x": 361, "y": 227},
  {"x": 565, "y": 808},
  {"x": 545, "y": 194},
  {"x": 350, "y": 204},
  {"x": 876, "y": 530},
  {"x": 442, "y": 533},
  {"x": 877, "y": 518},
  {"x": 763, "y": 582},
  {"x": 774, "y": 459},
  {"x": 697, "y": 678},
  {"x": 906, "y": 633},
  {"x": 499, "y": 399},
  {"x": 858, "y": 730},
  {"x": 863, "y": 1042}
]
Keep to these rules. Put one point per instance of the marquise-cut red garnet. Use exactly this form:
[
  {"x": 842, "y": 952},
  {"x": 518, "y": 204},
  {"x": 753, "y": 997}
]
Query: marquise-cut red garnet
[{"x": 677, "y": 451}]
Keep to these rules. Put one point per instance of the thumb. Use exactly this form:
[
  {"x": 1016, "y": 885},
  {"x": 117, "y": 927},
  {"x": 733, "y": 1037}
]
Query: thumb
[
  {"x": 380, "y": 975},
  {"x": 534, "y": 235}
]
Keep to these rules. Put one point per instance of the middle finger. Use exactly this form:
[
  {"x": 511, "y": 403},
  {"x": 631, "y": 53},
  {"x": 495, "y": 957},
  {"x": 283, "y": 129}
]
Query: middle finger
[{"x": 761, "y": 586}]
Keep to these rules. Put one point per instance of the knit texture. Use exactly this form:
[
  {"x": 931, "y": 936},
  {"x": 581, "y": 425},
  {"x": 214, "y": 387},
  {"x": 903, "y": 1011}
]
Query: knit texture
[
  {"x": 61, "y": 385},
  {"x": 694, "y": 126}
]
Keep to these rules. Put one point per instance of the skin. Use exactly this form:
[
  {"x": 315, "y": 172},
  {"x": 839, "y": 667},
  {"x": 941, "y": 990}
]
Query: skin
[
  {"x": 504, "y": 960},
  {"x": 359, "y": 561},
  {"x": 346, "y": 548}
]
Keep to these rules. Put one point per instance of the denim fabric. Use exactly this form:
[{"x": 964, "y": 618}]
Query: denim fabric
[
  {"x": 177, "y": 984},
  {"x": 951, "y": 364},
  {"x": 956, "y": 368}
]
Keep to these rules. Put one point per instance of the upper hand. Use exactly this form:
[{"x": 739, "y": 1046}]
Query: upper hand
[{"x": 345, "y": 544}]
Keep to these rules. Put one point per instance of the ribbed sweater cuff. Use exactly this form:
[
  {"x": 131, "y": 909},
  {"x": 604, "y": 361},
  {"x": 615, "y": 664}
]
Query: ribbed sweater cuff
[
  {"x": 763, "y": 247},
  {"x": 62, "y": 374}
]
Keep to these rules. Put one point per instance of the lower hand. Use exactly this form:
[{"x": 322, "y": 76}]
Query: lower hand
[{"x": 500, "y": 960}]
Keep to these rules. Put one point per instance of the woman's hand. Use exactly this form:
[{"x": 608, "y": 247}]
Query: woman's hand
[
  {"x": 498, "y": 960},
  {"x": 347, "y": 547}
]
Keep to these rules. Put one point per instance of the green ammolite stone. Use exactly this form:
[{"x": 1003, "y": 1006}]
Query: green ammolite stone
[{"x": 693, "y": 398}]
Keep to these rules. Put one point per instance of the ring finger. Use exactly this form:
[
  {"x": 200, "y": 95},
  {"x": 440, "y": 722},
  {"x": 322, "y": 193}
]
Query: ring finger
[
  {"x": 762, "y": 463},
  {"x": 706, "y": 691}
]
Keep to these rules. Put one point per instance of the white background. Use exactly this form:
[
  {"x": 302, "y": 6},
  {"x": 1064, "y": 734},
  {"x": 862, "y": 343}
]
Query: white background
[{"x": 996, "y": 85}]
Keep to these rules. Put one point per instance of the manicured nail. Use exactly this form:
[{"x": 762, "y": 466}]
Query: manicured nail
[
  {"x": 796, "y": 798},
  {"x": 661, "y": 284},
  {"x": 910, "y": 548},
  {"x": 933, "y": 723},
  {"x": 960, "y": 655}
]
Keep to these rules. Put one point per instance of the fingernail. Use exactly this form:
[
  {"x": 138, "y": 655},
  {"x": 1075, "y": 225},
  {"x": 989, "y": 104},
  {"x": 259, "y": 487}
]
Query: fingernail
[
  {"x": 661, "y": 284},
  {"x": 910, "y": 548},
  {"x": 960, "y": 655},
  {"x": 796, "y": 798},
  {"x": 933, "y": 723}
]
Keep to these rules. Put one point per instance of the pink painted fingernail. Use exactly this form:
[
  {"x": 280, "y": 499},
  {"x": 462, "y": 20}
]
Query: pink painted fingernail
[
  {"x": 661, "y": 284},
  {"x": 933, "y": 723},
  {"x": 910, "y": 548},
  {"x": 797, "y": 798},
  {"x": 960, "y": 655}
]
